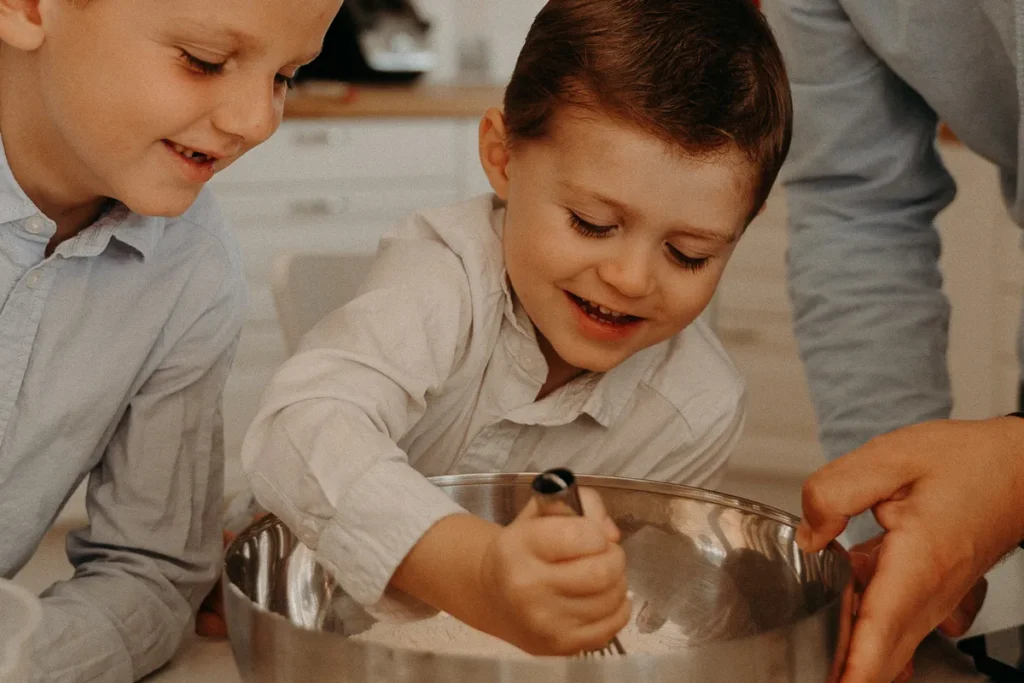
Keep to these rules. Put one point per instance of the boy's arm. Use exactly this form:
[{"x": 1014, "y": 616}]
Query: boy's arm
[
  {"x": 864, "y": 183},
  {"x": 322, "y": 451},
  {"x": 153, "y": 546}
]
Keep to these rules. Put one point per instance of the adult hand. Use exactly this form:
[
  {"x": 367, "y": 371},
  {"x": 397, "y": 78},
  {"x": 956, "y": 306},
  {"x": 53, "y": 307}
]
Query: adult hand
[
  {"x": 864, "y": 558},
  {"x": 948, "y": 494}
]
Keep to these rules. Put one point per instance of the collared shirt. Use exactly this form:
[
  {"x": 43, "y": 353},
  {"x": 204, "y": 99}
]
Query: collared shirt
[
  {"x": 434, "y": 369},
  {"x": 113, "y": 356},
  {"x": 865, "y": 182}
]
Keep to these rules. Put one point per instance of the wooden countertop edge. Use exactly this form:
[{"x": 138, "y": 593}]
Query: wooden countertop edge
[{"x": 427, "y": 101}]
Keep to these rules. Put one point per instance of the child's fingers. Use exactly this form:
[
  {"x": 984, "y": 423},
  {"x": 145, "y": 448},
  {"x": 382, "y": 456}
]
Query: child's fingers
[
  {"x": 557, "y": 539},
  {"x": 592, "y": 574},
  {"x": 597, "y": 634},
  {"x": 593, "y": 608}
]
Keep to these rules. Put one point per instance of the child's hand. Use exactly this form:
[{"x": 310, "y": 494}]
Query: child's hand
[{"x": 557, "y": 583}]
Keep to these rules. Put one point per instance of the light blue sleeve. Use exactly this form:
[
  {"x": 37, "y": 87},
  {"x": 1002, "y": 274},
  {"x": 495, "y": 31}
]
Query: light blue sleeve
[
  {"x": 864, "y": 184},
  {"x": 153, "y": 547}
]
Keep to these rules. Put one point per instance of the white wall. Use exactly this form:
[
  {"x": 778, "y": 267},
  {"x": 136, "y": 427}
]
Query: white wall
[{"x": 502, "y": 24}]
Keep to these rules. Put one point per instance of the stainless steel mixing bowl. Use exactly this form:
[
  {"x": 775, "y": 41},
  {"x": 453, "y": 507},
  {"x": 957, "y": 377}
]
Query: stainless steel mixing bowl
[{"x": 721, "y": 575}]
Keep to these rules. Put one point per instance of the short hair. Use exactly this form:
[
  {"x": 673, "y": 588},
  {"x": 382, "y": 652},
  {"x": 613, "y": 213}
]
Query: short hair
[{"x": 700, "y": 74}]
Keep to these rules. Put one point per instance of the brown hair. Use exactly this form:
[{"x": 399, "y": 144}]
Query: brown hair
[{"x": 700, "y": 74}]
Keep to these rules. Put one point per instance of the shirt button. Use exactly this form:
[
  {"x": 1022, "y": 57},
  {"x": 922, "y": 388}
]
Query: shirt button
[
  {"x": 35, "y": 225},
  {"x": 33, "y": 279}
]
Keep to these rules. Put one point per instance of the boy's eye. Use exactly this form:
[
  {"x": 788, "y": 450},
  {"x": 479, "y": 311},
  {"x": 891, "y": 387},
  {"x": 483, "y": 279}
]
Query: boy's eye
[
  {"x": 201, "y": 66},
  {"x": 688, "y": 262},
  {"x": 588, "y": 229},
  {"x": 214, "y": 68}
]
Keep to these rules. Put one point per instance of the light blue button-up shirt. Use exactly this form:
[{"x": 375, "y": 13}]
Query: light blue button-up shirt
[
  {"x": 113, "y": 356},
  {"x": 864, "y": 184}
]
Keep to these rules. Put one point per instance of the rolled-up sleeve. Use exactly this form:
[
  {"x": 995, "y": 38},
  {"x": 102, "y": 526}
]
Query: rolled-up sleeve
[
  {"x": 322, "y": 453},
  {"x": 864, "y": 184},
  {"x": 152, "y": 549}
]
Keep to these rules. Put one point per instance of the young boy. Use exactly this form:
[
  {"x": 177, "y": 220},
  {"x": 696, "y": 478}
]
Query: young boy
[
  {"x": 549, "y": 324},
  {"x": 121, "y": 298}
]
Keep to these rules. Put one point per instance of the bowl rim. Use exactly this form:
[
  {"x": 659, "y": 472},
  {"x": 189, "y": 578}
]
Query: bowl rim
[
  {"x": 604, "y": 481},
  {"x": 629, "y": 484}
]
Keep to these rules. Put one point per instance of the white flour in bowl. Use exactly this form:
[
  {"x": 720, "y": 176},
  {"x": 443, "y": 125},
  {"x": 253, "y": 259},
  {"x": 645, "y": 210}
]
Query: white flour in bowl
[{"x": 444, "y": 634}]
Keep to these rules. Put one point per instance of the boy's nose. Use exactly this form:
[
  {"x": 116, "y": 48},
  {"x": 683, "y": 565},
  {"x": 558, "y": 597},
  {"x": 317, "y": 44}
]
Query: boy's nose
[
  {"x": 250, "y": 114},
  {"x": 629, "y": 271}
]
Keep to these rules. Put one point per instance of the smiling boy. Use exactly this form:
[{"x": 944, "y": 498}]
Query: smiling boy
[
  {"x": 552, "y": 323},
  {"x": 121, "y": 298}
]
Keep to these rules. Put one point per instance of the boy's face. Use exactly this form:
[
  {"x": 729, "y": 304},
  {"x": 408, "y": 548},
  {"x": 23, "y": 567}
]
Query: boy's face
[
  {"x": 130, "y": 89},
  {"x": 614, "y": 241}
]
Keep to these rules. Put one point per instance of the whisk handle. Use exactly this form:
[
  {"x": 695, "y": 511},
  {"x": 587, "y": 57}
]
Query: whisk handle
[{"x": 555, "y": 488}]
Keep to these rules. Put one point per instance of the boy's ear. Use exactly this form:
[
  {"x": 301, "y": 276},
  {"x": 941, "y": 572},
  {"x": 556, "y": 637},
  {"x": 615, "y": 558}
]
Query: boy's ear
[
  {"x": 21, "y": 24},
  {"x": 494, "y": 155}
]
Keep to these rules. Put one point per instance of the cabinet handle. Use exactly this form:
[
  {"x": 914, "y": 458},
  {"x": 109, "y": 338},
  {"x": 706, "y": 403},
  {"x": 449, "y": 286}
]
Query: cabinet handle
[
  {"x": 319, "y": 137},
  {"x": 310, "y": 207}
]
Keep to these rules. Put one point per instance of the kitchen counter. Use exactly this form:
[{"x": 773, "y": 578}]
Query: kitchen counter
[
  {"x": 339, "y": 100},
  {"x": 328, "y": 100},
  {"x": 211, "y": 661}
]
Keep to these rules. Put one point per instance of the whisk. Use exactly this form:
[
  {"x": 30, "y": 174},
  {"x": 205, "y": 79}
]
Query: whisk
[{"x": 553, "y": 489}]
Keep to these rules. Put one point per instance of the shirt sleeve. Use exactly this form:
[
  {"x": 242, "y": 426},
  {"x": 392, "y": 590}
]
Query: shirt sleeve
[
  {"x": 864, "y": 184},
  {"x": 321, "y": 453},
  {"x": 153, "y": 546}
]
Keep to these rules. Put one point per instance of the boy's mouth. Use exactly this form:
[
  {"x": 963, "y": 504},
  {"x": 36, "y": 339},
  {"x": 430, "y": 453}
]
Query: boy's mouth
[
  {"x": 602, "y": 313},
  {"x": 189, "y": 154}
]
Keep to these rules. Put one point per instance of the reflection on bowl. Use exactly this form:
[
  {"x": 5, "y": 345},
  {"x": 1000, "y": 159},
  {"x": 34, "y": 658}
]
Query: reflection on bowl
[{"x": 719, "y": 576}]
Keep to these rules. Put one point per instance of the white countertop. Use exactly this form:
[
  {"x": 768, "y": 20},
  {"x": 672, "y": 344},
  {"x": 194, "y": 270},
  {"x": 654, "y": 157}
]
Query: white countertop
[{"x": 211, "y": 661}]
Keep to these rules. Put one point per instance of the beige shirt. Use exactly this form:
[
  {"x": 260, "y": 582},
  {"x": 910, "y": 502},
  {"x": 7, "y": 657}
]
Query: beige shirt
[{"x": 434, "y": 369}]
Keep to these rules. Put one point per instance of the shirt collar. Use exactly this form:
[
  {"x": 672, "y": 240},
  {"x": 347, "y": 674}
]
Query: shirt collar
[
  {"x": 614, "y": 389},
  {"x": 139, "y": 233},
  {"x": 513, "y": 313},
  {"x": 602, "y": 396}
]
